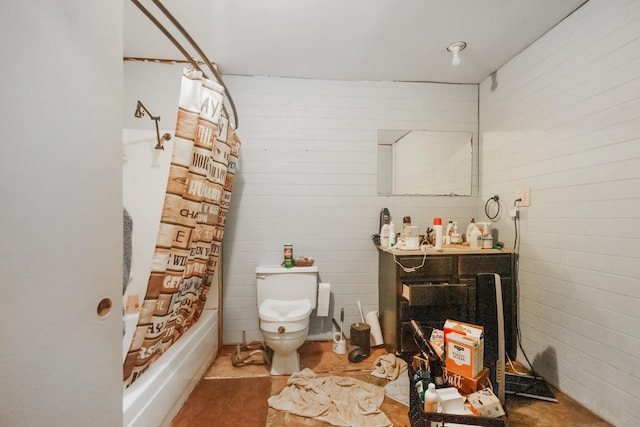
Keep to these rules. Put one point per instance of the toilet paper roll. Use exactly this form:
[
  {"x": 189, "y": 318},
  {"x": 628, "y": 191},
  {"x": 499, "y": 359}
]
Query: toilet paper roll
[
  {"x": 324, "y": 292},
  {"x": 376, "y": 333}
]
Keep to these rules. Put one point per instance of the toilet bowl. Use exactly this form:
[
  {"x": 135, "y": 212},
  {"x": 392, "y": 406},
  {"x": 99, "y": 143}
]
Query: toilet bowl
[
  {"x": 284, "y": 325},
  {"x": 286, "y": 298}
]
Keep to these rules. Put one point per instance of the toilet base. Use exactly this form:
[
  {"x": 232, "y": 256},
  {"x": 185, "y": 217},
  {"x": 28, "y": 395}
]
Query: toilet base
[{"x": 285, "y": 364}]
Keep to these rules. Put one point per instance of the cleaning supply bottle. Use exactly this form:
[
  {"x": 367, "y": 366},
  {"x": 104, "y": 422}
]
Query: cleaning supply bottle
[
  {"x": 437, "y": 227},
  {"x": 470, "y": 227},
  {"x": 430, "y": 398},
  {"x": 392, "y": 234},
  {"x": 384, "y": 234}
]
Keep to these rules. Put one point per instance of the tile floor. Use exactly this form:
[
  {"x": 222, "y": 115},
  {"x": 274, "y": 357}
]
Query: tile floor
[{"x": 237, "y": 396}]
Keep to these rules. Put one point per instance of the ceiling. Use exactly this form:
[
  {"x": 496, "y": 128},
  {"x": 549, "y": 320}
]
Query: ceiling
[{"x": 393, "y": 40}]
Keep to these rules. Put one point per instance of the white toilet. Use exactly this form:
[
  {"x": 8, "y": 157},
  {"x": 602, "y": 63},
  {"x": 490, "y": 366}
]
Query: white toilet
[{"x": 286, "y": 297}]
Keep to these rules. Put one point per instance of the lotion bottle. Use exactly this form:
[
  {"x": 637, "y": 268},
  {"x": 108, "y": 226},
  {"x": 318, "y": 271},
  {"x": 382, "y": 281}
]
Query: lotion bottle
[
  {"x": 430, "y": 398},
  {"x": 437, "y": 227},
  {"x": 384, "y": 234}
]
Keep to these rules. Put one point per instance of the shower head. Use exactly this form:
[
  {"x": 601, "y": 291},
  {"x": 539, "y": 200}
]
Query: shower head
[{"x": 139, "y": 110}]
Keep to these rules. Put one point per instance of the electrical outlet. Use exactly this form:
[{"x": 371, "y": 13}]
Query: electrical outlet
[{"x": 525, "y": 197}]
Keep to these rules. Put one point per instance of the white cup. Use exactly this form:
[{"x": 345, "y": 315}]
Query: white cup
[{"x": 339, "y": 343}]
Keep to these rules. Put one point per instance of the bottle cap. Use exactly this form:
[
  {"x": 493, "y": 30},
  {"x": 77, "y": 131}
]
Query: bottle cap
[{"x": 437, "y": 221}]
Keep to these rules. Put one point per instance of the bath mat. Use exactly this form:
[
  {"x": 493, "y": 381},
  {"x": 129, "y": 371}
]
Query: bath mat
[{"x": 215, "y": 403}]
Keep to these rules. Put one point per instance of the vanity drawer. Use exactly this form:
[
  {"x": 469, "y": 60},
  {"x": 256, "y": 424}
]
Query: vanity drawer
[
  {"x": 435, "y": 294},
  {"x": 435, "y": 268},
  {"x": 470, "y": 265}
]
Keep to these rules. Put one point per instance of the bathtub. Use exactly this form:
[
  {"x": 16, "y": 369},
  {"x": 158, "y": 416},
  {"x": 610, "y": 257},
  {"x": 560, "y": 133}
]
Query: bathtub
[{"x": 155, "y": 398}]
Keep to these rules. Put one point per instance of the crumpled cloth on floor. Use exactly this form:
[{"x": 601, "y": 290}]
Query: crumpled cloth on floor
[
  {"x": 339, "y": 401},
  {"x": 388, "y": 366}
]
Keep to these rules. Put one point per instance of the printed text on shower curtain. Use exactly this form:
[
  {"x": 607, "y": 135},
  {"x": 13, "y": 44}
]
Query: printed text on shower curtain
[{"x": 188, "y": 246}]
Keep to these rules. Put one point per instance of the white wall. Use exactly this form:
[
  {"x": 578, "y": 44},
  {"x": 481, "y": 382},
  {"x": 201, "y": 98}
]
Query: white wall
[
  {"x": 564, "y": 118},
  {"x": 61, "y": 216},
  {"x": 307, "y": 176}
]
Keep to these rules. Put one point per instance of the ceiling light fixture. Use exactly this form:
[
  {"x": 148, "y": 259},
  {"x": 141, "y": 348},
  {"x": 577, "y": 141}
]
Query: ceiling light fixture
[{"x": 456, "y": 48}]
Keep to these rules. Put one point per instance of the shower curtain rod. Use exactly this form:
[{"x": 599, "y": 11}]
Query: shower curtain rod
[{"x": 182, "y": 50}]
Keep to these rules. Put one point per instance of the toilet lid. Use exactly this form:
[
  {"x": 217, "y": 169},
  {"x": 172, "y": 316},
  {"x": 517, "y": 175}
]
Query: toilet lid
[{"x": 278, "y": 311}]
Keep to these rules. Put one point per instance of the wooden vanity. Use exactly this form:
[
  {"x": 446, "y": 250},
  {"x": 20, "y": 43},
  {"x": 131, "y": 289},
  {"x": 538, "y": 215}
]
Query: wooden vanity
[{"x": 439, "y": 286}]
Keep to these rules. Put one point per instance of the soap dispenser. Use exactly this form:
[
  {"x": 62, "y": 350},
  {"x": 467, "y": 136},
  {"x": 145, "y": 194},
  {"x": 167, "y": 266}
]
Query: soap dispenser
[{"x": 455, "y": 236}]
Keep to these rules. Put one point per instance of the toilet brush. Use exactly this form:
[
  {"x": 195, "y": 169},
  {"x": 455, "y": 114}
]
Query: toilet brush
[
  {"x": 360, "y": 310},
  {"x": 341, "y": 321}
]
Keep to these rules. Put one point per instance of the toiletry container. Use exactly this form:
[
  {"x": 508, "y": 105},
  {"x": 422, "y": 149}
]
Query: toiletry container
[
  {"x": 392, "y": 234},
  {"x": 475, "y": 239},
  {"x": 470, "y": 227},
  {"x": 384, "y": 234},
  {"x": 455, "y": 236},
  {"x": 437, "y": 227},
  {"x": 448, "y": 232},
  {"x": 430, "y": 398}
]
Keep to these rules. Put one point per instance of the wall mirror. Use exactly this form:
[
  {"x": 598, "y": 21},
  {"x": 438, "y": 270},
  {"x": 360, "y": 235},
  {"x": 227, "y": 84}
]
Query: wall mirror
[{"x": 424, "y": 162}]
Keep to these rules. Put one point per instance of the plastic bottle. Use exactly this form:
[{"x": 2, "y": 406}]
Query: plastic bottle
[
  {"x": 384, "y": 216},
  {"x": 384, "y": 234},
  {"x": 475, "y": 239},
  {"x": 455, "y": 236},
  {"x": 470, "y": 227},
  {"x": 406, "y": 222},
  {"x": 447, "y": 234},
  {"x": 430, "y": 398},
  {"x": 437, "y": 227},
  {"x": 392, "y": 234}
]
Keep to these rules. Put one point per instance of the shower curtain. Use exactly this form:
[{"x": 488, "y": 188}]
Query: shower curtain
[{"x": 186, "y": 256}]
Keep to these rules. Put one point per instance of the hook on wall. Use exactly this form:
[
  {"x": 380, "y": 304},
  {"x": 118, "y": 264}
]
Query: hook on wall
[{"x": 140, "y": 112}]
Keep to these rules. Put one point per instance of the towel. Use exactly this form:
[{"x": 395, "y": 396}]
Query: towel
[
  {"x": 398, "y": 389},
  {"x": 388, "y": 366},
  {"x": 339, "y": 401}
]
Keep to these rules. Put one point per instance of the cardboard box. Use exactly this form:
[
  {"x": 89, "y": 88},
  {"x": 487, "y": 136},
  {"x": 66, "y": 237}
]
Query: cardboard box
[
  {"x": 437, "y": 342},
  {"x": 464, "y": 348},
  {"x": 485, "y": 404},
  {"x": 466, "y": 329},
  {"x": 464, "y": 355},
  {"x": 467, "y": 385}
]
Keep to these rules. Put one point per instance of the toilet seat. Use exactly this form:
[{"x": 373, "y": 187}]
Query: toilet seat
[{"x": 284, "y": 311}]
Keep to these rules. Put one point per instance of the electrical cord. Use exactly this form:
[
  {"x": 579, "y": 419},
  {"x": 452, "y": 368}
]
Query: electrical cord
[
  {"x": 516, "y": 248},
  {"x": 410, "y": 269},
  {"x": 496, "y": 199}
]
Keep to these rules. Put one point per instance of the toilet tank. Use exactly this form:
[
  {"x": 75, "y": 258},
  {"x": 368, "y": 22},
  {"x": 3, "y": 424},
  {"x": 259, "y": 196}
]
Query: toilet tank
[{"x": 277, "y": 282}]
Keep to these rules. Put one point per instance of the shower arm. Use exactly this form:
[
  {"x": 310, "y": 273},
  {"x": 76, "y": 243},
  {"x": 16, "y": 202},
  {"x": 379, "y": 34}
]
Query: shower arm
[
  {"x": 182, "y": 50},
  {"x": 140, "y": 111}
]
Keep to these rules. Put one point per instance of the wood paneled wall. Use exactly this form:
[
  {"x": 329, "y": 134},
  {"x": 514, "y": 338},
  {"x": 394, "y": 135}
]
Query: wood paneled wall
[{"x": 563, "y": 118}]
